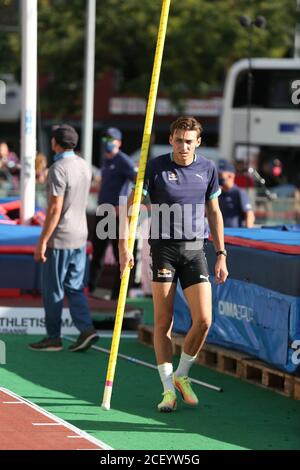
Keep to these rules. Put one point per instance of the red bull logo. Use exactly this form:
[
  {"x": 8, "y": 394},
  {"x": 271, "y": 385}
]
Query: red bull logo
[{"x": 164, "y": 272}]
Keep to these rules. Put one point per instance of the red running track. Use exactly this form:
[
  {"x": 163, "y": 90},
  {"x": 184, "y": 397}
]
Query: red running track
[{"x": 26, "y": 426}]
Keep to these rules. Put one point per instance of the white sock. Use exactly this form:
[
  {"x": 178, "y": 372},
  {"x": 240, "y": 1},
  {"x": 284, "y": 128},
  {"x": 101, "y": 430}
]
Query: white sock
[
  {"x": 185, "y": 364},
  {"x": 166, "y": 375}
]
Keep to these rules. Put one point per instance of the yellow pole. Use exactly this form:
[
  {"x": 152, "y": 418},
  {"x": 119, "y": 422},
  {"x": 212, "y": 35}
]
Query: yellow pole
[{"x": 136, "y": 201}]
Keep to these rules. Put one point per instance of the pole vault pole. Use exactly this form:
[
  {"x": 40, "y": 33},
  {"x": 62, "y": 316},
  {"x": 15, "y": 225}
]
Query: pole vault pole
[
  {"x": 28, "y": 113},
  {"x": 150, "y": 366},
  {"x": 137, "y": 200}
]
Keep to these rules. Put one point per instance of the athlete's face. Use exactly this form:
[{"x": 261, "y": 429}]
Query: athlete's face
[{"x": 184, "y": 144}]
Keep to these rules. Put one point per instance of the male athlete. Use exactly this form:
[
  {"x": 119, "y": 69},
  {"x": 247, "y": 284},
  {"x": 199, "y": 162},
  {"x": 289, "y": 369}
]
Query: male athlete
[{"x": 181, "y": 186}]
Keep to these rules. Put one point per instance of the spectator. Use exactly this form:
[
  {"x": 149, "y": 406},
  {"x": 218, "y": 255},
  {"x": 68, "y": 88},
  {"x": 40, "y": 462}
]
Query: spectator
[
  {"x": 41, "y": 170},
  {"x": 116, "y": 173},
  {"x": 242, "y": 177},
  {"x": 234, "y": 202},
  {"x": 272, "y": 172},
  {"x": 9, "y": 166},
  {"x": 8, "y": 159}
]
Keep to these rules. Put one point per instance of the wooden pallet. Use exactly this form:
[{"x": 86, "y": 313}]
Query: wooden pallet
[
  {"x": 297, "y": 388},
  {"x": 234, "y": 363},
  {"x": 146, "y": 333},
  {"x": 221, "y": 359},
  {"x": 262, "y": 374}
]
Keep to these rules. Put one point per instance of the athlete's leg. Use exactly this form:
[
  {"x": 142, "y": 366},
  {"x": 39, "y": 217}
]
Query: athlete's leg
[
  {"x": 199, "y": 300},
  {"x": 163, "y": 302},
  {"x": 194, "y": 279},
  {"x": 198, "y": 297},
  {"x": 164, "y": 280}
]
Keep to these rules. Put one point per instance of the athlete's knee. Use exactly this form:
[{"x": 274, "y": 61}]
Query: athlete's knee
[
  {"x": 202, "y": 324},
  {"x": 163, "y": 327}
]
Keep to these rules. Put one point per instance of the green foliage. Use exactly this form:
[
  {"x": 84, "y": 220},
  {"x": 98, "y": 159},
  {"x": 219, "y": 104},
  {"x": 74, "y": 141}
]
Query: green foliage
[
  {"x": 203, "y": 39},
  {"x": 61, "y": 54},
  {"x": 9, "y": 37}
]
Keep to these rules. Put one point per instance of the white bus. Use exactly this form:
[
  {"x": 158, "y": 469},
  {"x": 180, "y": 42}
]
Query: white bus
[{"x": 270, "y": 126}]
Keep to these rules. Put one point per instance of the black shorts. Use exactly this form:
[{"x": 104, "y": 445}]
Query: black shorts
[{"x": 184, "y": 260}]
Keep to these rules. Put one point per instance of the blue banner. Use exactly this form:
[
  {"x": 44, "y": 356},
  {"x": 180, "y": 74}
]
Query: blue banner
[{"x": 249, "y": 318}]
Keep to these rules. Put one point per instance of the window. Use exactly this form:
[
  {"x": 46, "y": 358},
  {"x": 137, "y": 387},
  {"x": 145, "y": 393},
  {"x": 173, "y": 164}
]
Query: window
[{"x": 271, "y": 89}]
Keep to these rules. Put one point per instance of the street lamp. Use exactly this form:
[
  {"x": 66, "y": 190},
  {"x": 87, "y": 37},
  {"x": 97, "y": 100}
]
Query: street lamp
[{"x": 249, "y": 24}]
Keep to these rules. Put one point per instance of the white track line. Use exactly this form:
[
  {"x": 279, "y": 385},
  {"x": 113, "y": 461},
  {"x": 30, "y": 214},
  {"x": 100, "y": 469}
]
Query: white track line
[
  {"x": 12, "y": 403},
  {"x": 78, "y": 431},
  {"x": 47, "y": 424}
]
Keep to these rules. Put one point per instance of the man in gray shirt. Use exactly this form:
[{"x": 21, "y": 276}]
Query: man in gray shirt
[{"x": 62, "y": 244}]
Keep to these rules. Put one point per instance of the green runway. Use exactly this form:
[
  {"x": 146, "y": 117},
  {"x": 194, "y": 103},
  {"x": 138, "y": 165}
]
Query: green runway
[{"x": 70, "y": 385}]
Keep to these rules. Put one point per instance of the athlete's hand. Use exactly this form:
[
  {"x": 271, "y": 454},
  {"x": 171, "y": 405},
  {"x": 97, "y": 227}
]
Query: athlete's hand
[
  {"x": 221, "y": 270},
  {"x": 126, "y": 259}
]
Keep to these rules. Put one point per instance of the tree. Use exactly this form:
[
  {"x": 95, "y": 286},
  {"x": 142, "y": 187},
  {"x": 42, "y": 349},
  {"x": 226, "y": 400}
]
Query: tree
[
  {"x": 203, "y": 40},
  {"x": 9, "y": 37}
]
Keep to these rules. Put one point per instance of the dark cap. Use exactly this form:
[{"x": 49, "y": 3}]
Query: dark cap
[
  {"x": 65, "y": 136},
  {"x": 224, "y": 165},
  {"x": 114, "y": 133}
]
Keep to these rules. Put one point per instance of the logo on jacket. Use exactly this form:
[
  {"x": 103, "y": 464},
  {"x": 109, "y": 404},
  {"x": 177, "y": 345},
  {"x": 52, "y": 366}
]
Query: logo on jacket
[{"x": 172, "y": 176}]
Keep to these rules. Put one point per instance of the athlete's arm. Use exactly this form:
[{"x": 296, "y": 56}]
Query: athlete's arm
[
  {"x": 216, "y": 226},
  {"x": 125, "y": 256}
]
